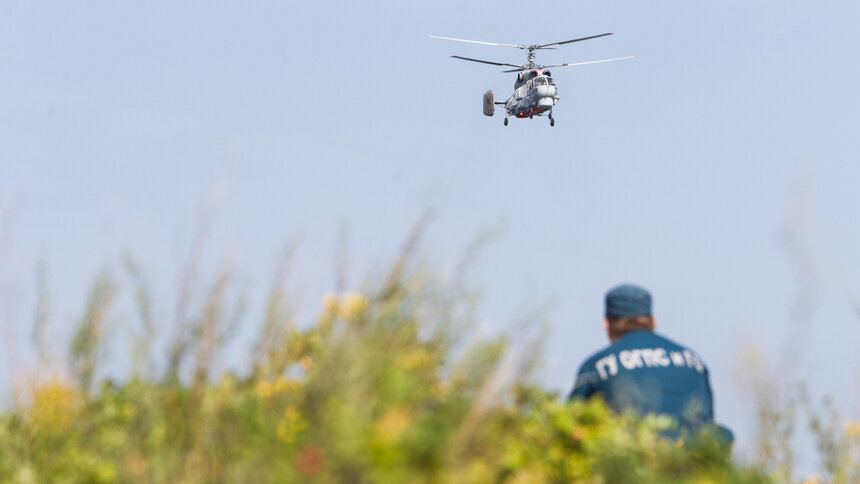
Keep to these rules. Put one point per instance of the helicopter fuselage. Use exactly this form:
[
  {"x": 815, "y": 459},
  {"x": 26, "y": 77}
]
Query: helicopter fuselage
[{"x": 535, "y": 93}]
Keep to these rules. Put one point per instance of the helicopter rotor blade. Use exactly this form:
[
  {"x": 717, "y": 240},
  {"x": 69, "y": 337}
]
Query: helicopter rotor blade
[
  {"x": 489, "y": 62},
  {"x": 476, "y": 42},
  {"x": 542, "y": 46},
  {"x": 593, "y": 62}
]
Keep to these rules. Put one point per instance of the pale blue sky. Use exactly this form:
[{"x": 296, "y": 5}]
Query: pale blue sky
[{"x": 679, "y": 170}]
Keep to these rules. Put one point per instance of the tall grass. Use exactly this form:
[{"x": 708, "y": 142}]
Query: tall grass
[{"x": 385, "y": 384}]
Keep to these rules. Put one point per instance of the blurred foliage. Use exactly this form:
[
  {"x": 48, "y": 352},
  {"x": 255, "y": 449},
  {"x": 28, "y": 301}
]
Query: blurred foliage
[{"x": 386, "y": 385}]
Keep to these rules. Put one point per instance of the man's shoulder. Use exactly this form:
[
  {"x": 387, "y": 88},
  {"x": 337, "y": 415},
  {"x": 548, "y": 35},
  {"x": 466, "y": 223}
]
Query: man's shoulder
[
  {"x": 629, "y": 340},
  {"x": 672, "y": 345},
  {"x": 645, "y": 337},
  {"x": 666, "y": 342}
]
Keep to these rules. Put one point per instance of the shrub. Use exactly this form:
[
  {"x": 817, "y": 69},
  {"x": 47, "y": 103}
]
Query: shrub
[{"x": 380, "y": 387}]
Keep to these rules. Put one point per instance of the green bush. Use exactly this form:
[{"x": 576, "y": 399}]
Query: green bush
[{"x": 381, "y": 387}]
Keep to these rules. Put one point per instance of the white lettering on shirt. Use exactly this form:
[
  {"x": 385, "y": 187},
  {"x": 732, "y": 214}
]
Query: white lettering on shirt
[
  {"x": 660, "y": 357},
  {"x": 648, "y": 358},
  {"x": 607, "y": 366},
  {"x": 630, "y": 359},
  {"x": 693, "y": 361}
]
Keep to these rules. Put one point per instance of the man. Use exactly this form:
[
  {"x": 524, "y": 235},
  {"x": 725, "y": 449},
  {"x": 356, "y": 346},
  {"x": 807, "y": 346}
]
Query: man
[{"x": 643, "y": 371}]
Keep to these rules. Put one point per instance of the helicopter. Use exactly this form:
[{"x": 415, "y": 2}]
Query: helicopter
[{"x": 535, "y": 91}]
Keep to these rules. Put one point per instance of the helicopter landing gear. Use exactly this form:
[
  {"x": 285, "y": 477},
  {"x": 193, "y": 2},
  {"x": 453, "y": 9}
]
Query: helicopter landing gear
[
  {"x": 506, "y": 120},
  {"x": 551, "y": 120}
]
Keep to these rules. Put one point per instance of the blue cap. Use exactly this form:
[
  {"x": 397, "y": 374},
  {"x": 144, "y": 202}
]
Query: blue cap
[{"x": 628, "y": 300}]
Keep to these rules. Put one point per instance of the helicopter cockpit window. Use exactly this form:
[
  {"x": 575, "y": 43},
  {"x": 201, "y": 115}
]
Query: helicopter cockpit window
[
  {"x": 540, "y": 81},
  {"x": 551, "y": 81}
]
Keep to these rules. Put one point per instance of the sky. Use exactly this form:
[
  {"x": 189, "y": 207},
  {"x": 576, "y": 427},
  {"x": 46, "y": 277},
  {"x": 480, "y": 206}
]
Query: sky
[{"x": 718, "y": 168}]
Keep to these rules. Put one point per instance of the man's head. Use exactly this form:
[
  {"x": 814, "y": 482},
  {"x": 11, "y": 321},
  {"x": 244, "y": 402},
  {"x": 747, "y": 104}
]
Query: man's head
[{"x": 628, "y": 307}]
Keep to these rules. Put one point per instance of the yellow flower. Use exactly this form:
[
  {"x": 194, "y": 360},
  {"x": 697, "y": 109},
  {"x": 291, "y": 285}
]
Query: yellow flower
[
  {"x": 267, "y": 389},
  {"x": 413, "y": 359},
  {"x": 354, "y": 304},
  {"x": 291, "y": 425},
  {"x": 54, "y": 405},
  {"x": 282, "y": 384},
  {"x": 264, "y": 389},
  {"x": 852, "y": 429},
  {"x": 329, "y": 312},
  {"x": 579, "y": 432},
  {"x": 330, "y": 301},
  {"x": 529, "y": 476},
  {"x": 292, "y": 413},
  {"x": 478, "y": 471},
  {"x": 391, "y": 426}
]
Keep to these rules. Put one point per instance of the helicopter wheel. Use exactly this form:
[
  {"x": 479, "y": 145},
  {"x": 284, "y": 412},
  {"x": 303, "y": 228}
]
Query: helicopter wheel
[
  {"x": 551, "y": 121},
  {"x": 531, "y": 116},
  {"x": 506, "y": 121}
]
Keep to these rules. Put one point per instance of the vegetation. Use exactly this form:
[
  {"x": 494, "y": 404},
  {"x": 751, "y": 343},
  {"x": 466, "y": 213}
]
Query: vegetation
[{"x": 388, "y": 384}]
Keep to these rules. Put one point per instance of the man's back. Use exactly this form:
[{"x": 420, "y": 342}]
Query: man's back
[{"x": 648, "y": 373}]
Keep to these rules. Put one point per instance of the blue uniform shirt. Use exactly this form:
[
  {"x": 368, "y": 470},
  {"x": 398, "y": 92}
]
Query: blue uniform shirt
[{"x": 648, "y": 373}]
